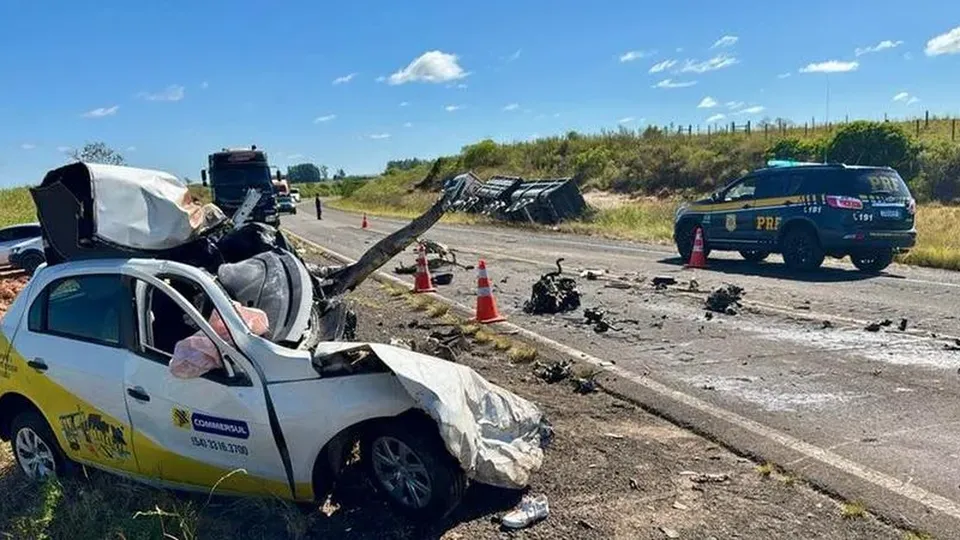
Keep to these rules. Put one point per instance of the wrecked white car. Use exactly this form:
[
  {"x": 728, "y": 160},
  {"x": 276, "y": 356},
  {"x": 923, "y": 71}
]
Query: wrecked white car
[{"x": 211, "y": 362}]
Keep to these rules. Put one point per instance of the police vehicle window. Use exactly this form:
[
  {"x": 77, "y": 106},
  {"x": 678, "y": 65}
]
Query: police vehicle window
[
  {"x": 743, "y": 190},
  {"x": 880, "y": 182},
  {"x": 84, "y": 307},
  {"x": 773, "y": 185}
]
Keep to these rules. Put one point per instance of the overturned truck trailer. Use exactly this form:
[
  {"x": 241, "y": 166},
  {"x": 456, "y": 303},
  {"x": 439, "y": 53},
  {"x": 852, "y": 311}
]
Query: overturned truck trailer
[{"x": 512, "y": 198}]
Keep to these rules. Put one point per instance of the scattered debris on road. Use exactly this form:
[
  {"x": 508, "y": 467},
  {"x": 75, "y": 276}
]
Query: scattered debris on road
[
  {"x": 662, "y": 282},
  {"x": 553, "y": 372},
  {"x": 877, "y": 325},
  {"x": 553, "y": 294},
  {"x": 596, "y": 317},
  {"x": 706, "y": 478},
  {"x": 585, "y": 385},
  {"x": 593, "y": 275},
  {"x": 826, "y": 325},
  {"x": 903, "y": 325},
  {"x": 725, "y": 299}
]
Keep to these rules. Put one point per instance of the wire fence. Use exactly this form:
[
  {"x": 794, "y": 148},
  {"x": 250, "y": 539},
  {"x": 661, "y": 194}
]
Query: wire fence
[{"x": 928, "y": 124}]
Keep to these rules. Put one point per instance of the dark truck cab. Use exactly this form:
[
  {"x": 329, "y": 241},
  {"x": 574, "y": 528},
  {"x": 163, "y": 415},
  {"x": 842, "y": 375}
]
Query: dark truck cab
[{"x": 231, "y": 172}]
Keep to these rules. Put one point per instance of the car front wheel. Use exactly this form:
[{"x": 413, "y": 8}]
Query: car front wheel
[
  {"x": 35, "y": 448},
  {"x": 409, "y": 465},
  {"x": 801, "y": 249},
  {"x": 31, "y": 261},
  {"x": 874, "y": 261}
]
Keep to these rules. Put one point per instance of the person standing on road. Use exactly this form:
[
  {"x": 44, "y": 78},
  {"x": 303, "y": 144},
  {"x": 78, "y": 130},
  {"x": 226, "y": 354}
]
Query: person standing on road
[{"x": 319, "y": 208}]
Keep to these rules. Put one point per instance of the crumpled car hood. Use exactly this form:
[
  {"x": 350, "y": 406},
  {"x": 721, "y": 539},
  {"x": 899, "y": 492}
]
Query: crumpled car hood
[{"x": 496, "y": 435}]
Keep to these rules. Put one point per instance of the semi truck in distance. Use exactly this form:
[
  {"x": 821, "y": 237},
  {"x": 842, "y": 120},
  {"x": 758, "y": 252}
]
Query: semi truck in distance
[{"x": 231, "y": 172}]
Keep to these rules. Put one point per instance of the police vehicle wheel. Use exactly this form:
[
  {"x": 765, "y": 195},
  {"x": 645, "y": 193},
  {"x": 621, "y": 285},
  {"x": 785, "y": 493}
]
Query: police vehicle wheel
[
  {"x": 409, "y": 465},
  {"x": 801, "y": 250},
  {"x": 754, "y": 256},
  {"x": 35, "y": 448},
  {"x": 873, "y": 262}
]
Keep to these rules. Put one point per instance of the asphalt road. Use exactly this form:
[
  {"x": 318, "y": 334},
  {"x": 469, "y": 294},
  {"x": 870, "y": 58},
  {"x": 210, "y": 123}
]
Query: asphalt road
[{"x": 885, "y": 401}]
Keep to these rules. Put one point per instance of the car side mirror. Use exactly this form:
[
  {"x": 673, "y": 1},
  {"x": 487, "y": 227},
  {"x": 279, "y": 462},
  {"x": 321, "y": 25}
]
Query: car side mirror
[{"x": 715, "y": 196}]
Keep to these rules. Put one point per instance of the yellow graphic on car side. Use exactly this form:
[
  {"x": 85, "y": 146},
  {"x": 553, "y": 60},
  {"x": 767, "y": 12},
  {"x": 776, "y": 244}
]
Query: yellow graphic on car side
[
  {"x": 96, "y": 434},
  {"x": 731, "y": 223},
  {"x": 181, "y": 418}
]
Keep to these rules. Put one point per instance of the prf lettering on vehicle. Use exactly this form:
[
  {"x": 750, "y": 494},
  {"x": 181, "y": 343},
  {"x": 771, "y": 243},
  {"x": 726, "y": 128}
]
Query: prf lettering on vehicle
[{"x": 768, "y": 223}]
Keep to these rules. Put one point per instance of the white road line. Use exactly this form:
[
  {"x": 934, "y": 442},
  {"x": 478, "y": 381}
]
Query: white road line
[{"x": 919, "y": 495}]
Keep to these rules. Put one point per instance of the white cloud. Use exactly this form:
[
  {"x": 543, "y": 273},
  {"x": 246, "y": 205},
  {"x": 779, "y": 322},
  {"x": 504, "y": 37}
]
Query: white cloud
[
  {"x": 663, "y": 66},
  {"x": 902, "y": 96},
  {"x": 64, "y": 149},
  {"x": 432, "y": 67},
  {"x": 344, "y": 79},
  {"x": 882, "y": 46},
  {"x": 461, "y": 86},
  {"x": 451, "y": 108},
  {"x": 912, "y": 100},
  {"x": 381, "y": 78},
  {"x": 131, "y": 149},
  {"x": 707, "y": 103},
  {"x": 378, "y": 136},
  {"x": 756, "y": 109},
  {"x": 100, "y": 112},
  {"x": 670, "y": 83},
  {"x": 626, "y": 120},
  {"x": 630, "y": 56},
  {"x": 174, "y": 92},
  {"x": 712, "y": 64},
  {"x": 784, "y": 75},
  {"x": 28, "y": 146},
  {"x": 511, "y": 107},
  {"x": 295, "y": 156},
  {"x": 514, "y": 56},
  {"x": 830, "y": 66},
  {"x": 715, "y": 118},
  {"x": 408, "y": 124},
  {"x": 204, "y": 85},
  {"x": 404, "y": 103},
  {"x": 734, "y": 105},
  {"x": 324, "y": 118},
  {"x": 948, "y": 43},
  {"x": 726, "y": 41}
]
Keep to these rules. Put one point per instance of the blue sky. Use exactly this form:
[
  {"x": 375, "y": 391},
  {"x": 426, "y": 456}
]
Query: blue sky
[{"x": 354, "y": 84}]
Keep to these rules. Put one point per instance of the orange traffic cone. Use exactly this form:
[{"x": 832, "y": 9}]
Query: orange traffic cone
[
  {"x": 363, "y": 224},
  {"x": 422, "y": 282},
  {"x": 486, "y": 305},
  {"x": 697, "y": 259}
]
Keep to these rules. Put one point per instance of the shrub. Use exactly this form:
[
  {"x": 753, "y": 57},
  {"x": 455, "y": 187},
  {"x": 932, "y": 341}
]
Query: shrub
[
  {"x": 873, "y": 143},
  {"x": 483, "y": 154}
]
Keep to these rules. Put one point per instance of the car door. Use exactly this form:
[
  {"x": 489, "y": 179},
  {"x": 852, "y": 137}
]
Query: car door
[
  {"x": 732, "y": 219},
  {"x": 75, "y": 358},
  {"x": 202, "y": 431},
  {"x": 775, "y": 199}
]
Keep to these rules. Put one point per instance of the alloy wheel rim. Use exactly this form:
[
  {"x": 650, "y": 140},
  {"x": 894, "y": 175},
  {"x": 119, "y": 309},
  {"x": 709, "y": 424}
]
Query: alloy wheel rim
[
  {"x": 401, "y": 472},
  {"x": 34, "y": 455}
]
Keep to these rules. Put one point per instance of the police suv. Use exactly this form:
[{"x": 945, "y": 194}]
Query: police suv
[{"x": 805, "y": 211}]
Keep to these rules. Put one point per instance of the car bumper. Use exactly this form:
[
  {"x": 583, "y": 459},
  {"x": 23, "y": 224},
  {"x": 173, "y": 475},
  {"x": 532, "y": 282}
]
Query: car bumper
[{"x": 853, "y": 240}]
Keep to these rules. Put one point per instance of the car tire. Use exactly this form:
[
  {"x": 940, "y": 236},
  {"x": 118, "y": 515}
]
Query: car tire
[
  {"x": 684, "y": 236},
  {"x": 30, "y": 261},
  {"x": 35, "y": 448},
  {"x": 754, "y": 256},
  {"x": 873, "y": 262},
  {"x": 410, "y": 467},
  {"x": 801, "y": 249}
]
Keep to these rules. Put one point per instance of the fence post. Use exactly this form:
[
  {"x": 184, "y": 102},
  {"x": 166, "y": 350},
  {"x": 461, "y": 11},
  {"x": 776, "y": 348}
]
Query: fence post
[
  {"x": 708, "y": 131},
  {"x": 918, "y": 127},
  {"x": 813, "y": 123},
  {"x": 926, "y": 120},
  {"x": 748, "y": 127},
  {"x": 805, "y": 132},
  {"x": 953, "y": 129},
  {"x": 764, "y": 132},
  {"x": 689, "y": 130},
  {"x": 885, "y": 118}
]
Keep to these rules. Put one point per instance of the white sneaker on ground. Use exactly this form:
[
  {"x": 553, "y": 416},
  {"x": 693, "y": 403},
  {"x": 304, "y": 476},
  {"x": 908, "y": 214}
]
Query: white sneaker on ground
[{"x": 529, "y": 511}]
